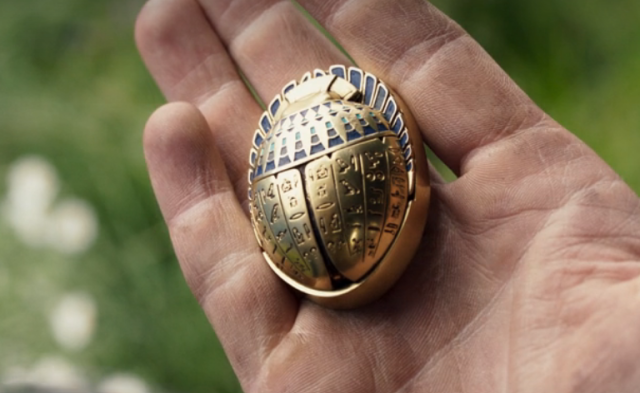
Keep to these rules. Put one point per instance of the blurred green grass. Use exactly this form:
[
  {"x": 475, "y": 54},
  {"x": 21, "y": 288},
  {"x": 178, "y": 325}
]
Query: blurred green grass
[{"x": 73, "y": 90}]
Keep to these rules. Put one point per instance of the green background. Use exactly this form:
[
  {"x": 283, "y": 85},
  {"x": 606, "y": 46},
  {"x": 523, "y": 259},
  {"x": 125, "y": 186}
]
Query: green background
[{"x": 74, "y": 91}]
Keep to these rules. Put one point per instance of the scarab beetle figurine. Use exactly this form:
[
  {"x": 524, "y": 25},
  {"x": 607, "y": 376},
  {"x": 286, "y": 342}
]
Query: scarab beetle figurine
[{"x": 339, "y": 187}]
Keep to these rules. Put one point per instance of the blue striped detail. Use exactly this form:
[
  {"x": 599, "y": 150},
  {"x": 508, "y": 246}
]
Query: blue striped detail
[
  {"x": 335, "y": 141},
  {"x": 404, "y": 139},
  {"x": 368, "y": 130},
  {"x": 250, "y": 194},
  {"x": 382, "y": 95},
  {"x": 275, "y": 105},
  {"x": 299, "y": 155},
  {"x": 398, "y": 125},
  {"x": 270, "y": 166},
  {"x": 355, "y": 77},
  {"x": 391, "y": 110},
  {"x": 265, "y": 123},
  {"x": 410, "y": 166},
  {"x": 284, "y": 161},
  {"x": 317, "y": 148},
  {"x": 254, "y": 155},
  {"x": 352, "y": 135},
  {"x": 319, "y": 74},
  {"x": 259, "y": 171},
  {"x": 289, "y": 87},
  {"x": 258, "y": 139},
  {"x": 369, "y": 85},
  {"x": 407, "y": 153},
  {"x": 338, "y": 70}
]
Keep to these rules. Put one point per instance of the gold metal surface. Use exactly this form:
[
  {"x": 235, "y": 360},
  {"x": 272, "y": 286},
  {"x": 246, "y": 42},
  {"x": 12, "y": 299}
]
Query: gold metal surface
[{"x": 339, "y": 186}]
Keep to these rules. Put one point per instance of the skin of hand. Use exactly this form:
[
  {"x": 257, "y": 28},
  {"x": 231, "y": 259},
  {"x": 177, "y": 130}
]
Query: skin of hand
[{"x": 527, "y": 278}]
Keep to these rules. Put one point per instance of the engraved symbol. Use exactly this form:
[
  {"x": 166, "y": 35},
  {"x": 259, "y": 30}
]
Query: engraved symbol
[
  {"x": 397, "y": 171},
  {"x": 297, "y": 215},
  {"x": 325, "y": 206},
  {"x": 287, "y": 186},
  {"x": 371, "y": 244},
  {"x": 349, "y": 189},
  {"x": 358, "y": 209},
  {"x": 309, "y": 253},
  {"x": 377, "y": 197},
  {"x": 298, "y": 236},
  {"x": 379, "y": 176},
  {"x": 331, "y": 246},
  {"x": 260, "y": 216},
  {"x": 391, "y": 228},
  {"x": 398, "y": 160},
  {"x": 398, "y": 181},
  {"x": 357, "y": 244},
  {"x": 395, "y": 212},
  {"x": 281, "y": 235},
  {"x": 374, "y": 159},
  {"x": 342, "y": 164},
  {"x": 397, "y": 194},
  {"x": 322, "y": 191},
  {"x": 293, "y": 202},
  {"x": 275, "y": 213},
  {"x": 335, "y": 223},
  {"x": 307, "y": 230},
  {"x": 271, "y": 192},
  {"x": 323, "y": 225},
  {"x": 354, "y": 163},
  {"x": 322, "y": 172},
  {"x": 288, "y": 248}
]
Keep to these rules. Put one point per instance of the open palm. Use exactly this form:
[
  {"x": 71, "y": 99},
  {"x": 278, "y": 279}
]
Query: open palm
[{"x": 528, "y": 276}]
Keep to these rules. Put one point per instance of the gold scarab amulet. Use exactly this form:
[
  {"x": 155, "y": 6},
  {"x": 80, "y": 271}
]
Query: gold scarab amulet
[{"x": 339, "y": 186}]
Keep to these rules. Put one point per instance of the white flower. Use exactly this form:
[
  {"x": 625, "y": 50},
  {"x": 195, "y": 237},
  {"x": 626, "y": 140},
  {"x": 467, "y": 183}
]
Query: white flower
[
  {"x": 50, "y": 373},
  {"x": 32, "y": 186},
  {"x": 73, "y": 321},
  {"x": 123, "y": 383},
  {"x": 72, "y": 226}
]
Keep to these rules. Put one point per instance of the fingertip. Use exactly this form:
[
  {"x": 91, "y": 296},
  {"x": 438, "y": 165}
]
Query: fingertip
[
  {"x": 174, "y": 126},
  {"x": 179, "y": 150}
]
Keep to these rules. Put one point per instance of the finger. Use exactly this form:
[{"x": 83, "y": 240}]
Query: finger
[
  {"x": 189, "y": 63},
  {"x": 271, "y": 41},
  {"x": 460, "y": 97},
  {"x": 246, "y": 304}
]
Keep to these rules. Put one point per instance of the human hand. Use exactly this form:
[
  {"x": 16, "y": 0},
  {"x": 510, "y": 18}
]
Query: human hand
[{"x": 527, "y": 279}]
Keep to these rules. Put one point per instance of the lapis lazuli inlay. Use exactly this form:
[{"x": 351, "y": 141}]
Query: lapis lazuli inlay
[
  {"x": 335, "y": 141},
  {"x": 351, "y": 135},
  {"x": 355, "y": 77},
  {"x": 382, "y": 95},
  {"x": 258, "y": 140},
  {"x": 391, "y": 109},
  {"x": 339, "y": 71},
  {"x": 270, "y": 166},
  {"x": 265, "y": 123},
  {"x": 398, "y": 125},
  {"x": 274, "y": 107},
  {"x": 370, "y": 84},
  {"x": 299, "y": 155},
  {"x": 284, "y": 161},
  {"x": 317, "y": 148},
  {"x": 404, "y": 140}
]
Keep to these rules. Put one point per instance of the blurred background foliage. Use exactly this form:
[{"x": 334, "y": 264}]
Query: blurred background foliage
[{"x": 74, "y": 92}]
